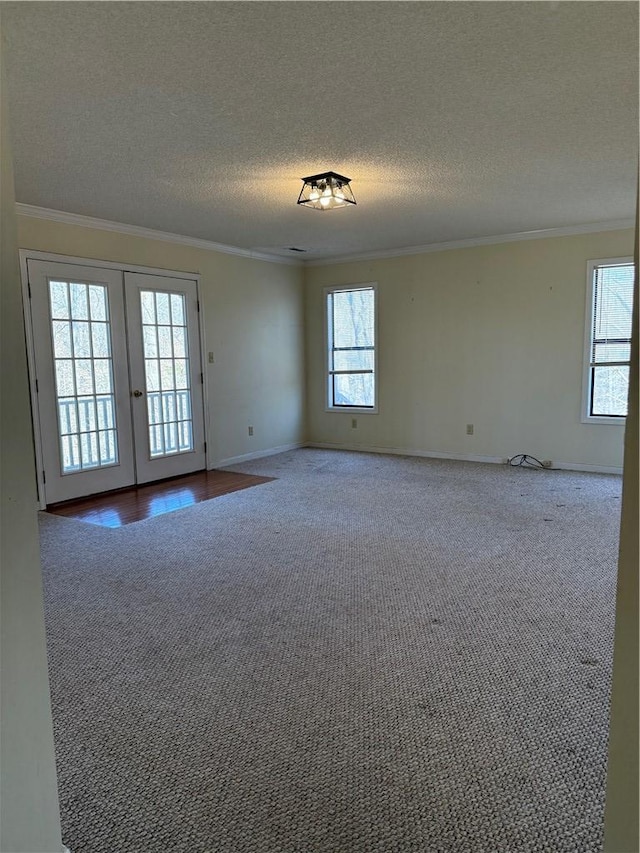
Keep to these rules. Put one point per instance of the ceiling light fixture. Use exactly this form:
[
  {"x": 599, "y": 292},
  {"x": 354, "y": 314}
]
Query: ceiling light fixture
[{"x": 326, "y": 191}]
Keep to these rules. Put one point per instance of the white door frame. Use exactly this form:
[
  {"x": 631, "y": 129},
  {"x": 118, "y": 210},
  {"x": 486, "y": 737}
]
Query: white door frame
[{"x": 32, "y": 254}]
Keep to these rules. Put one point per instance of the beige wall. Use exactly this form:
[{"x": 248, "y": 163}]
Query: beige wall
[
  {"x": 253, "y": 313},
  {"x": 491, "y": 336},
  {"x": 28, "y": 795}
]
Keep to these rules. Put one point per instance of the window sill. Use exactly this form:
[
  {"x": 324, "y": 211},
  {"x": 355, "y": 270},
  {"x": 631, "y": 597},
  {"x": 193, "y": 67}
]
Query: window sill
[
  {"x": 602, "y": 419},
  {"x": 347, "y": 410}
]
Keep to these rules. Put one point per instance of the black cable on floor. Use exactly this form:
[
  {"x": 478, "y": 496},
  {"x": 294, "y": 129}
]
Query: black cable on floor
[{"x": 525, "y": 459}]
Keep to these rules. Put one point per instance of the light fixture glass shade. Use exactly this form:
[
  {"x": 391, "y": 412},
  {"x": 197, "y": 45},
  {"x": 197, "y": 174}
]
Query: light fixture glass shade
[{"x": 327, "y": 191}]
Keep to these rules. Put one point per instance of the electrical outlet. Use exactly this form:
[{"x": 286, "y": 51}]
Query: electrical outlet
[
  {"x": 547, "y": 463},
  {"x": 354, "y": 423},
  {"x": 210, "y": 358},
  {"x": 469, "y": 429},
  {"x": 250, "y": 430}
]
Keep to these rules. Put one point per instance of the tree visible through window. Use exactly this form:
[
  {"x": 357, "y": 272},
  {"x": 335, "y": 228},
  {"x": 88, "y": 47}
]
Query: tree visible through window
[
  {"x": 610, "y": 339},
  {"x": 351, "y": 347}
]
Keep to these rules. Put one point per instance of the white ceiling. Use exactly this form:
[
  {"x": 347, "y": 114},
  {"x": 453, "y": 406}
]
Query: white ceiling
[{"x": 455, "y": 120}]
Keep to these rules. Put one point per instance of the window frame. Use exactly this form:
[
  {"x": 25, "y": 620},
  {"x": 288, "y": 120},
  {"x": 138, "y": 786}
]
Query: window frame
[
  {"x": 341, "y": 288},
  {"x": 586, "y": 417}
]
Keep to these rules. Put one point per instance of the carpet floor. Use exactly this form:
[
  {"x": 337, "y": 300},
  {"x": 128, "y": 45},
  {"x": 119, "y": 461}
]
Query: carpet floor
[{"x": 369, "y": 654}]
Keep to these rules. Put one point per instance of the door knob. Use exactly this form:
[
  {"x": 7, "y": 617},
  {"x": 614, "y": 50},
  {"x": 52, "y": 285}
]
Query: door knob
[{"x": 137, "y": 393}]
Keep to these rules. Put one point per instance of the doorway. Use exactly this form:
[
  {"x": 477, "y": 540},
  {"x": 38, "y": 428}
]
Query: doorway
[{"x": 117, "y": 369}]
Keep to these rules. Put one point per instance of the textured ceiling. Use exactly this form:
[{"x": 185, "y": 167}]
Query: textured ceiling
[{"x": 454, "y": 120}]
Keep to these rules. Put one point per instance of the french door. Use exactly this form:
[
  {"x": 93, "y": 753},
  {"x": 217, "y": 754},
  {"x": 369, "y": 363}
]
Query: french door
[{"x": 118, "y": 377}]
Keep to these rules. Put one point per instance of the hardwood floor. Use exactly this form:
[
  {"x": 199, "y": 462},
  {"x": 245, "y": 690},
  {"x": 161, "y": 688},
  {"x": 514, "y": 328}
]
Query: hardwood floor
[{"x": 137, "y": 503}]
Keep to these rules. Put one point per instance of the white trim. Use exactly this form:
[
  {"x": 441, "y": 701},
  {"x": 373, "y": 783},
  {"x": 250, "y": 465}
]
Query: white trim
[
  {"x": 31, "y": 367},
  {"x": 565, "y": 231},
  {"x": 341, "y": 288},
  {"x": 34, "y": 255},
  {"x": 590, "y": 469},
  {"x": 208, "y": 245},
  {"x": 594, "y": 420},
  {"x": 585, "y": 401},
  {"x": 203, "y": 372},
  {"x": 461, "y": 457},
  {"x": 259, "y": 454},
  {"x": 149, "y": 233},
  {"x": 352, "y": 410},
  {"x": 400, "y": 451},
  {"x": 204, "y": 367}
]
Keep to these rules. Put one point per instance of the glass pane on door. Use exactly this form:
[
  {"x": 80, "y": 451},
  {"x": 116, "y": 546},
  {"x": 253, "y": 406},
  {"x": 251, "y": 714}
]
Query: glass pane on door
[
  {"x": 166, "y": 364},
  {"x": 83, "y": 368}
]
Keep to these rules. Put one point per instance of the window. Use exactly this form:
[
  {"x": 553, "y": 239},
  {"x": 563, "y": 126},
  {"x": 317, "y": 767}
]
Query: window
[
  {"x": 351, "y": 347},
  {"x": 609, "y": 309}
]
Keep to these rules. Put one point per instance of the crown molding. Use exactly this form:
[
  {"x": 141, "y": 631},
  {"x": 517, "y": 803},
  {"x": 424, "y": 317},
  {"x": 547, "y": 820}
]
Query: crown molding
[
  {"x": 138, "y": 231},
  {"x": 565, "y": 231},
  {"x": 379, "y": 254}
]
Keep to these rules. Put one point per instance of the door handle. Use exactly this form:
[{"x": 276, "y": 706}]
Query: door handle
[{"x": 137, "y": 393}]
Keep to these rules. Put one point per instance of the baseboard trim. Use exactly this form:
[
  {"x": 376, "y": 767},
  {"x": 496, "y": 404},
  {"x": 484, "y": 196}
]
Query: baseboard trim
[
  {"x": 589, "y": 469},
  {"x": 460, "y": 457},
  {"x": 401, "y": 451},
  {"x": 259, "y": 454}
]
